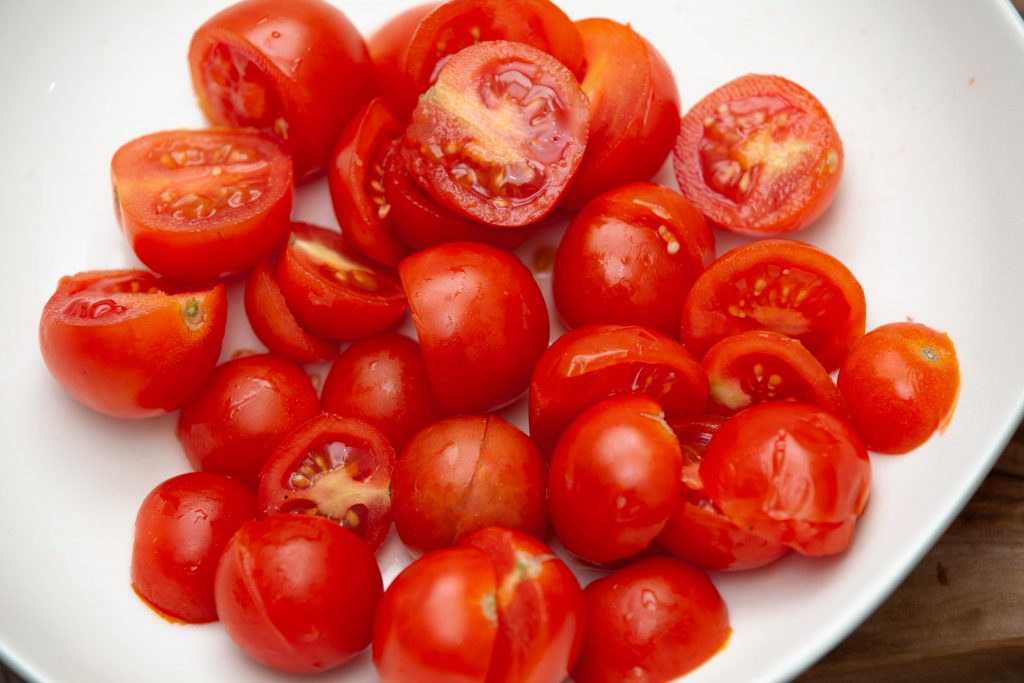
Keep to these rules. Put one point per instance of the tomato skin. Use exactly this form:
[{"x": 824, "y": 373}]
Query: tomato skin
[
  {"x": 236, "y": 421},
  {"x": 131, "y": 354},
  {"x": 900, "y": 383},
  {"x": 472, "y": 303},
  {"x": 296, "y": 70},
  {"x": 629, "y": 258},
  {"x": 298, "y": 593},
  {"x": 177, "y": 199},
  {"x": 387, "y": 47},
  {"x": 181, "y": 530},
  {"x": 634, "y": 613},
  {"x": 464, "y": 473},
  {"x": 614, "y": 479}
]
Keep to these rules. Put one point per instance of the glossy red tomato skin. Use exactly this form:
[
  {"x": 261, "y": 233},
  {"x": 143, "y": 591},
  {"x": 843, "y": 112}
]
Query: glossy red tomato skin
[
  {"x": 127, "y": 352},
  {"x": 472, "y": 303},
  {"x": 595, "y": 362},
  {"x": 306, "y": 71},
  {"x": 634, "y": 613},
  {"x": 236, "y": 421},
  {"x": 629, "y": 258},
  {"x": 634, "y": 110},
  {"x": 900, "y": 383},
  {"x": 455, "y": 587},
  {"x": 387, "y": 47},
  {"x": 298, "y": 593},
  {"x": 465, "y": 473},
  {"x": 200, "y": 205},
  {"x": 181, "y": 530},
  {"x": 382, "y": 381},
  {"x": 775, "y": 134},
  {"x": 790, "y": 473}
]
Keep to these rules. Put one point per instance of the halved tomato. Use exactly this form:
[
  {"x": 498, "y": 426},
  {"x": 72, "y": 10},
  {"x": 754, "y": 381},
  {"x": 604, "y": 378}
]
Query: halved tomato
[{"x": 387, "y": 47}]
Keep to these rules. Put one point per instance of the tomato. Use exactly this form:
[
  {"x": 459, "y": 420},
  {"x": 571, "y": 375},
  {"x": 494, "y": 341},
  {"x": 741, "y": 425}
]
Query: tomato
[
  {"x": 900, "y": 383},
  {"x": 335, "y": 467},
  {"x": 760, "y": 366},
  {"x": 331, "y": 291},
  {"x": 297, "y": 593},
  {"x": 129, "y": 344},
  {"x": 629, "y": 258},
  {"x": 472, "y": 304},
  {"x": 759, "y": 156},
  {"x": 199, "y": 205},
  {"x": 500, "y": 135},
  {"x": 382, "y": 381},
  {"x": 790, "y": 473},
  {"x": 592, "y": 363},
  {"x": 634, "y": 109},
  {"x": 387, "y": 47},
  {"x": 614, "y": 479},
  {"x": 652, "y": 621},
  {"x": 780, "y": 285},
  {"x": 464, "y": 473},
  {"x": 297, "y": 70},
  {"x": 181, "y": 530},
  {"x": 236, "y": 421}
]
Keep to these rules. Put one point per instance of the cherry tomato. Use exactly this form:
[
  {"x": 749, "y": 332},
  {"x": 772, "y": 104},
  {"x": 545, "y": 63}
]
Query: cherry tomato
[
  {"x": 900, "y": 383},
  {"x": 481, "y": 321},
  {"x": 790, "y": 473},
  {"x": 128, "y": 344},
  {"x": 759, "y": 156},
  {"x": 781, "y": 285},
  {"x": 297, "y": 70},
  {"x": 332, "y": 292},
  {"x": 199, "y": 205},
  {"x": 586, "y": 365},
  {"x": 614, "y": 480},
  {"x": 334, "y": 467},
  {"x": 387, "y": 47},
  {"x": 630, "y": 257},
  {"x": 464, "y": 473},
  {"x": 233, "y": 425},
  {"x": 634, "y": 109},
  {"x": 298, "y": 593},
  {"x": 181, "y": 530},
  {"x": 500, "y": 134},
  {"x": 382, "y": 381},
  {"x": 652, "y": 621}
]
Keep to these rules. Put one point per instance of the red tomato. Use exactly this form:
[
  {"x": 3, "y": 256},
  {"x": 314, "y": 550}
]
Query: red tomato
[
  {"x": 387, "y": 47},
  {"x": 382, "y": 381},
  {"x": 652, "y": 621},
  {"x": 199, "y": 205},
  {"x": 614, "y": 480},
  {"x": 759, "y": 156},
  {"x": 181, "y": 530},
  {"x": 334, "y": 467},
  {"x": 790, "y": 473},
  {"x": 500, "y": 134},
  {"x": 900, "y": 383},
  {"x": 472, "y": 304},
  {"x": 634, "y": 109},
  {"x": 298, "y": 70},
  {"x": 760, "y": 366},
  {"x": 128, "y": 344},
  {"x": 592, "y": 363},
  {"x": 233, "y": 425},
  {"x": 464, "y": 473},
  {"x": 630, "y": 257},
  {"x": 298, "y": 593},
  {"x": 781, "y": 285},
  {"x": 332, "y": 292}
]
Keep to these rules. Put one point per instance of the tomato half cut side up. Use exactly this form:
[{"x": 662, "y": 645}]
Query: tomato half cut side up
[
  {"x": 500, "y": 135},
  {"x": 333, "y": 467},
  {"x": 199, "y": 205},
  {"x": 759, "y": 156}
]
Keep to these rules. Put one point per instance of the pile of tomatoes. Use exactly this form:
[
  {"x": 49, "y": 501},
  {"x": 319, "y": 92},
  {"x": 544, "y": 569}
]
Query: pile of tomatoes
[{"x": 687, "y": 421}]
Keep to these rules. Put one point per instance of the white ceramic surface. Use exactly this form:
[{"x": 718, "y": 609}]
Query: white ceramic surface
[{"x": 928, "y": 97}]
